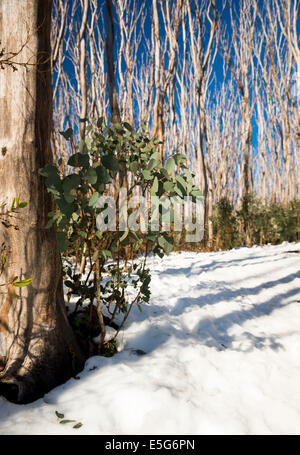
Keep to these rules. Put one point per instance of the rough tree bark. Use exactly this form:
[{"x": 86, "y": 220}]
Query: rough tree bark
[{"x": 37, "y": 347}]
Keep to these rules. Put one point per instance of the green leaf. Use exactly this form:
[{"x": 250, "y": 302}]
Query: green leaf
[
  {"x": 168, "y": 186},
  {"x": 100, "y": 122},
  {"x": 22, "y": 283},
  {"x": 110, "y": 162},
  {"x": 63, "y": 243},
  {"x": 170, "y": 166},
  {"x": 148, "y": 148},
  {"x": 102, "y": 175},
  {"x": 181, "y": 186},
  {"x": 71, "y": 182},
  {"x": 89, "y": 142},
  {"x": 181, "y": 180},
  {"x": 178, "y": 191},
  {"x": 53, "y": 184},
  {"x": 196, "y": 192},
  {"x": 123, "y": 237},
  {"x": 187, "y": 175},
  {"x": 67, "y": 134},
  {"x": 93, "y": 200},
  {"x": 166, "y": 243},
  {"x": 154, "y": 187},
  {"x": 48, "y": 170},
  {"x": 151, "y": 237},
  {"x": 134, "y": 166},
  {"x": 79, "y": 160},
  {"x": 59, "y": 415},
  {"x": 75, "y": 217},
  {"x": 179, "y": 159},
  {"x": 164, "y": 172},
  {"x": 147, "y": 174},
  {"x": 91, "y": 176},
  {"x": 127, "y": 126},
  {"x": 78, "y": 425},
  {"x": 83, "y": 147},
  {"x": 49, "y": 224},
  {"x": 66, "y": 421},
  {"x": 95, "y": 256},
  {"x": 99, "y": 234},
  {"x": 153, "y": 163},
  {"x": 105, "y": 254},
  {"x": 65, "y": 207},
  {"x": 69, "y": 197},
  {"x": 155, "y": 156}
]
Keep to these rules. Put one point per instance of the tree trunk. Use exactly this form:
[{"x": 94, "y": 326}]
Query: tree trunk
[
  {"x": 109, "y": 47},
  {"x": 37, "y": 347}
]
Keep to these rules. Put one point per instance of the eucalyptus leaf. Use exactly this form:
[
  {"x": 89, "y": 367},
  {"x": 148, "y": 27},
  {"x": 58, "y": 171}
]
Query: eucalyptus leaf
[
  {"x": 133, "y": 167},
  {"x": 166, "y": 243},
  {"x": 91, "y": 176},
  {"x": 153, "y": 163},
  {"x": 22, "y": 283},
  {"x": 63, "y": 243},
  {"x": 147, "y": 174},
  {"x": 65, "y": 207},
  {"x": 67, "y": 134},
  {"x": 110, "y": 162},
  {"x": 48, "y": 170},
  {"x": 168, "y": 186},
  {"x": 154, "y": 187},
  {"x": 170, "y": 166},
  {"x": 70, "y": 182},
  {"x": 93, "y": 200},
  {"x": 83, "y": 147},
  {"x": 79, "y": 160},
  {"x": 78, "y": 425},
  {"x": 102, "y": 175}
]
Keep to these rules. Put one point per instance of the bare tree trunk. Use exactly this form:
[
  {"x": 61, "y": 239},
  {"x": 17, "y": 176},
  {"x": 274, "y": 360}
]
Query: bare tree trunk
[
  {"x": 158, "y": 106},
  {"x": 37, "y": 347},
  {"x": 164, "y": 76},
  {"x": 113, "y": 99},
  {"x": 241, "y": 64},
  {"x": 82, "y": 53},
  {"x": 202, "y": 59}
]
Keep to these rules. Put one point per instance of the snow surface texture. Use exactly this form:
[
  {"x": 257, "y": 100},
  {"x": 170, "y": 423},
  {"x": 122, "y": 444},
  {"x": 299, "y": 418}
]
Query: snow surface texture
[{"x": 217, "y": 351}]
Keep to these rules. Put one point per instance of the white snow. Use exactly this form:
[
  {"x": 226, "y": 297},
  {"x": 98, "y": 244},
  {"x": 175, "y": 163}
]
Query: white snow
[{"x": 217, "y": 351}]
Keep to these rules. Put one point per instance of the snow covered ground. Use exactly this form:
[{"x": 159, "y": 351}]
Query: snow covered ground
[{"x": 217, "y": 351}]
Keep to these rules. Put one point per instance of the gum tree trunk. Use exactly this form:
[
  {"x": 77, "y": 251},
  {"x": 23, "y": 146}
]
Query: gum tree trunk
[{"x": 37, "y": 347}]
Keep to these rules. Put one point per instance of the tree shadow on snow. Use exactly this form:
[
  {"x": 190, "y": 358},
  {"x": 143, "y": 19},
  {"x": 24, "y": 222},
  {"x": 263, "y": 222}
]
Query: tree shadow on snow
[
  {"x": 209, "y": 331},
  {"x": 213, "y": 265},
  {"x": 215, "y": 332}
]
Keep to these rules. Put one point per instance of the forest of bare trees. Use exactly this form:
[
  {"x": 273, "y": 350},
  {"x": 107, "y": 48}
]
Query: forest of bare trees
[{"x": 216, "y": 81}]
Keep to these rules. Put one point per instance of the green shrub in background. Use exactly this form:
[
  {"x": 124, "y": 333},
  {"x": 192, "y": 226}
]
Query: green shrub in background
[
  {"x": 266, "y": 222},
  {"x": 225, "y": 225}
]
